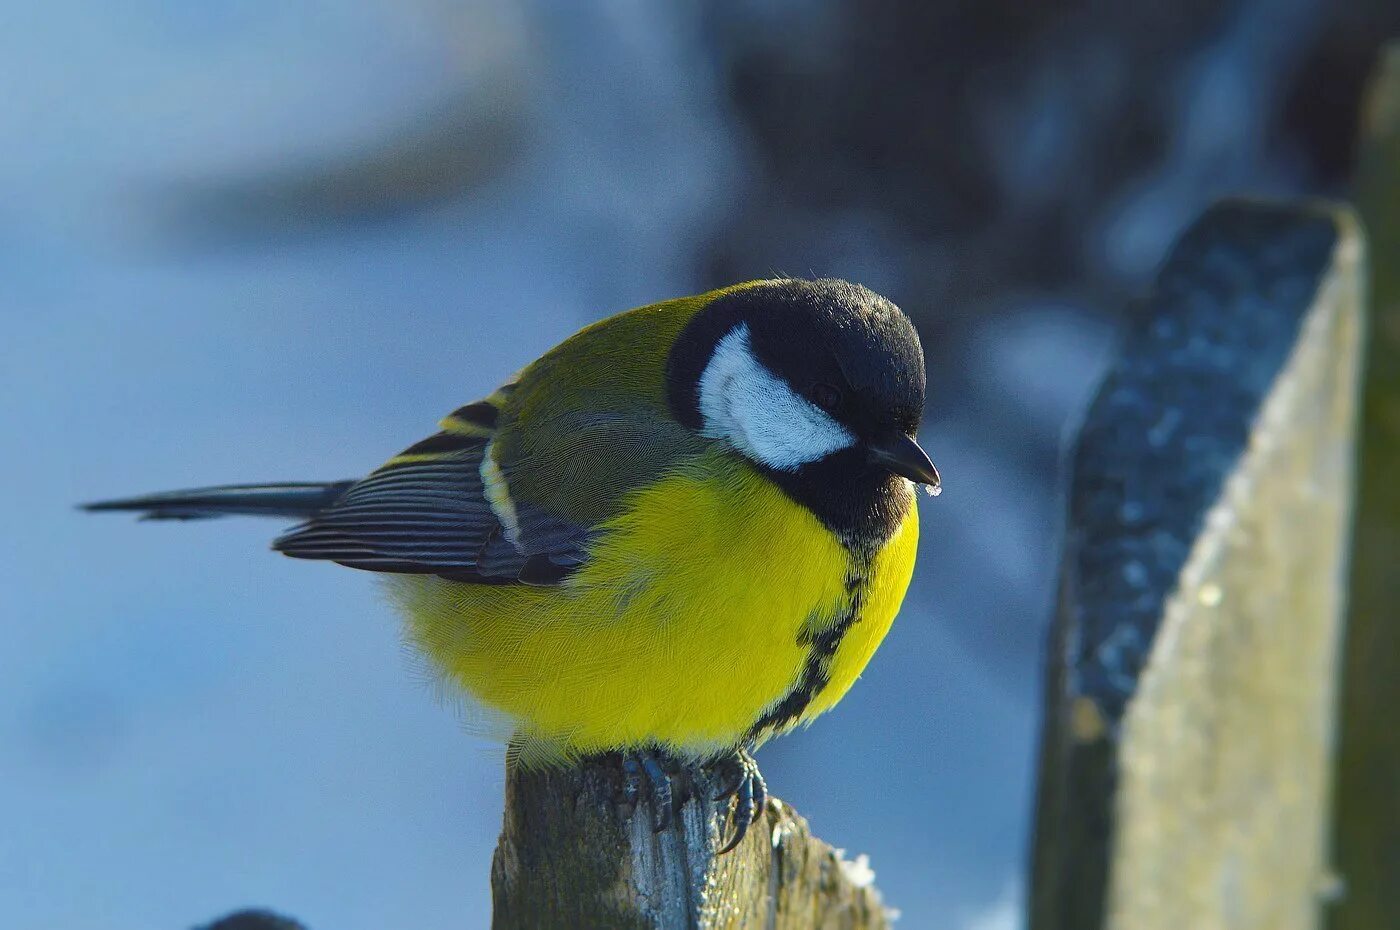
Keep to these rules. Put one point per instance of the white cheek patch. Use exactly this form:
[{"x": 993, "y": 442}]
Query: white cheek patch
[{"x": 759, "y": 414}]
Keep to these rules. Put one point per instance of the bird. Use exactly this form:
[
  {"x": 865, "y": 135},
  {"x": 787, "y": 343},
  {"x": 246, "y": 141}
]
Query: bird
[{"x": 679, "y": 533}]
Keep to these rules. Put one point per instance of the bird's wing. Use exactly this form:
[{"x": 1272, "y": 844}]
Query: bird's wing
[
  {"x": 430, "y": 510},
  {"x": 516, "y": 486}
]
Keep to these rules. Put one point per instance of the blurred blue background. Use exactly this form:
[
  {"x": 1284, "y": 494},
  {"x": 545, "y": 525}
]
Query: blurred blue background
[{"x": 261, "y": 241}]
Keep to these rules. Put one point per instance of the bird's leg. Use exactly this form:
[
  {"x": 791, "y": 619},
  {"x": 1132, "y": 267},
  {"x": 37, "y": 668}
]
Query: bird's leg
[
  {"x": 661, "y": 796},
  {"x": 745, "y": 784},
  {"x": 651, "y": 770}
]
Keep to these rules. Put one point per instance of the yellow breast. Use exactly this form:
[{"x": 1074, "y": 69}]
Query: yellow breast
[{"x": 693, "y": 616}]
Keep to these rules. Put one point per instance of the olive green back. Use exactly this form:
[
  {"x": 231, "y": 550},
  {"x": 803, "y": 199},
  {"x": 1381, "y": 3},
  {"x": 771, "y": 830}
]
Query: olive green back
[{"x": 589, "y": 421}]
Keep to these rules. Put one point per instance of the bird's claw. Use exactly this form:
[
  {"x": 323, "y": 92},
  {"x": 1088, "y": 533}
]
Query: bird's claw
[
  {"x": 749, "y": 791},
  {"x": 650, "y": 770}
]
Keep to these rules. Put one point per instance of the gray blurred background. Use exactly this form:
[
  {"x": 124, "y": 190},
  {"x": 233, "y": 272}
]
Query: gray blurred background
[{"x": 260, "y": 241}]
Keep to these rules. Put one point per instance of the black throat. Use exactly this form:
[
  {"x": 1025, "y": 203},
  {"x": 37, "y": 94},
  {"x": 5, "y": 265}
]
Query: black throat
[{"x": 862, "y": 504}]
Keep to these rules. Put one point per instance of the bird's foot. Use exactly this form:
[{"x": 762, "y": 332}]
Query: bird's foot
[
  {"x": 743, "y": 782},
  {"x": 658, "y": 775}
]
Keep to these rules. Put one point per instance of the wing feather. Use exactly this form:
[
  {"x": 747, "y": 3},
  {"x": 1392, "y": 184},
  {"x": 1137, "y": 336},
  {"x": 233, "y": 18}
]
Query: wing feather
[
  {"x": 569, "y": 439},
  {"x": 427, "y": 513}
]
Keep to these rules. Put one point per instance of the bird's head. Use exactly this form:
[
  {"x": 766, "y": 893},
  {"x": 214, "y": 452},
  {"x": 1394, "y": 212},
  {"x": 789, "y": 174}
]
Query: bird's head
[{"x": 818, "y": 383}]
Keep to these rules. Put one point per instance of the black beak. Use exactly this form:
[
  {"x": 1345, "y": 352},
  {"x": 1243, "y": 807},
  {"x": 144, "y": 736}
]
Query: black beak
[{"x": 904, "y": 457}]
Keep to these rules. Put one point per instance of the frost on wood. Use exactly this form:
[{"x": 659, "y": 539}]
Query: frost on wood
[
  {"x": 1190, "y": 705},
  {"x": 569, "y": 857}
]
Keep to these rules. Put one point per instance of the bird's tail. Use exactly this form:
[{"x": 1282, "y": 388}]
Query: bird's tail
[{"x": 291, "y": 499}]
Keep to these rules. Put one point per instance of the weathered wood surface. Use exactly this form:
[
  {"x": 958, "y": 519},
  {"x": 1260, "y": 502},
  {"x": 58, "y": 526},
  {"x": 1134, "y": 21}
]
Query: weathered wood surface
[
  {"x": 571, "y": 857},
  {"x": 1190, "y": 707},
  {"x": 1367, "y": 834}
]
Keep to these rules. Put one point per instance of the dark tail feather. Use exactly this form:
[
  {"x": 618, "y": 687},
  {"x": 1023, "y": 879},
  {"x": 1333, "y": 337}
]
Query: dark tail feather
[{"x": 292, "y": 499}]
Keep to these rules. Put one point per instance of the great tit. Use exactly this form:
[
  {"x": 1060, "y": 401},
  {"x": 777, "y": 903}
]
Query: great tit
[{"x": 682, "y": 531}]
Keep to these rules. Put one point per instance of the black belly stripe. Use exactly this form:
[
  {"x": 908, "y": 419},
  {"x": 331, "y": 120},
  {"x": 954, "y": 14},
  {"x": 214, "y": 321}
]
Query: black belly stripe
[{"x": 816, "y": 672}]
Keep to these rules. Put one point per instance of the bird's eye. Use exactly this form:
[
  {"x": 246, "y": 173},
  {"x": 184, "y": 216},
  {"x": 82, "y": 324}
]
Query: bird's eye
[{"x": 825, "y": 396}]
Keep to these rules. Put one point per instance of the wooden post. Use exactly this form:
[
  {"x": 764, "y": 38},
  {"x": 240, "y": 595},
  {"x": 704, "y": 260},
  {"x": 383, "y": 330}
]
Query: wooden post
[
  {"x": 1367, "y": 835},
  {"x": 569, "y": 857},
  {"x": 1189, "y": 727}
]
